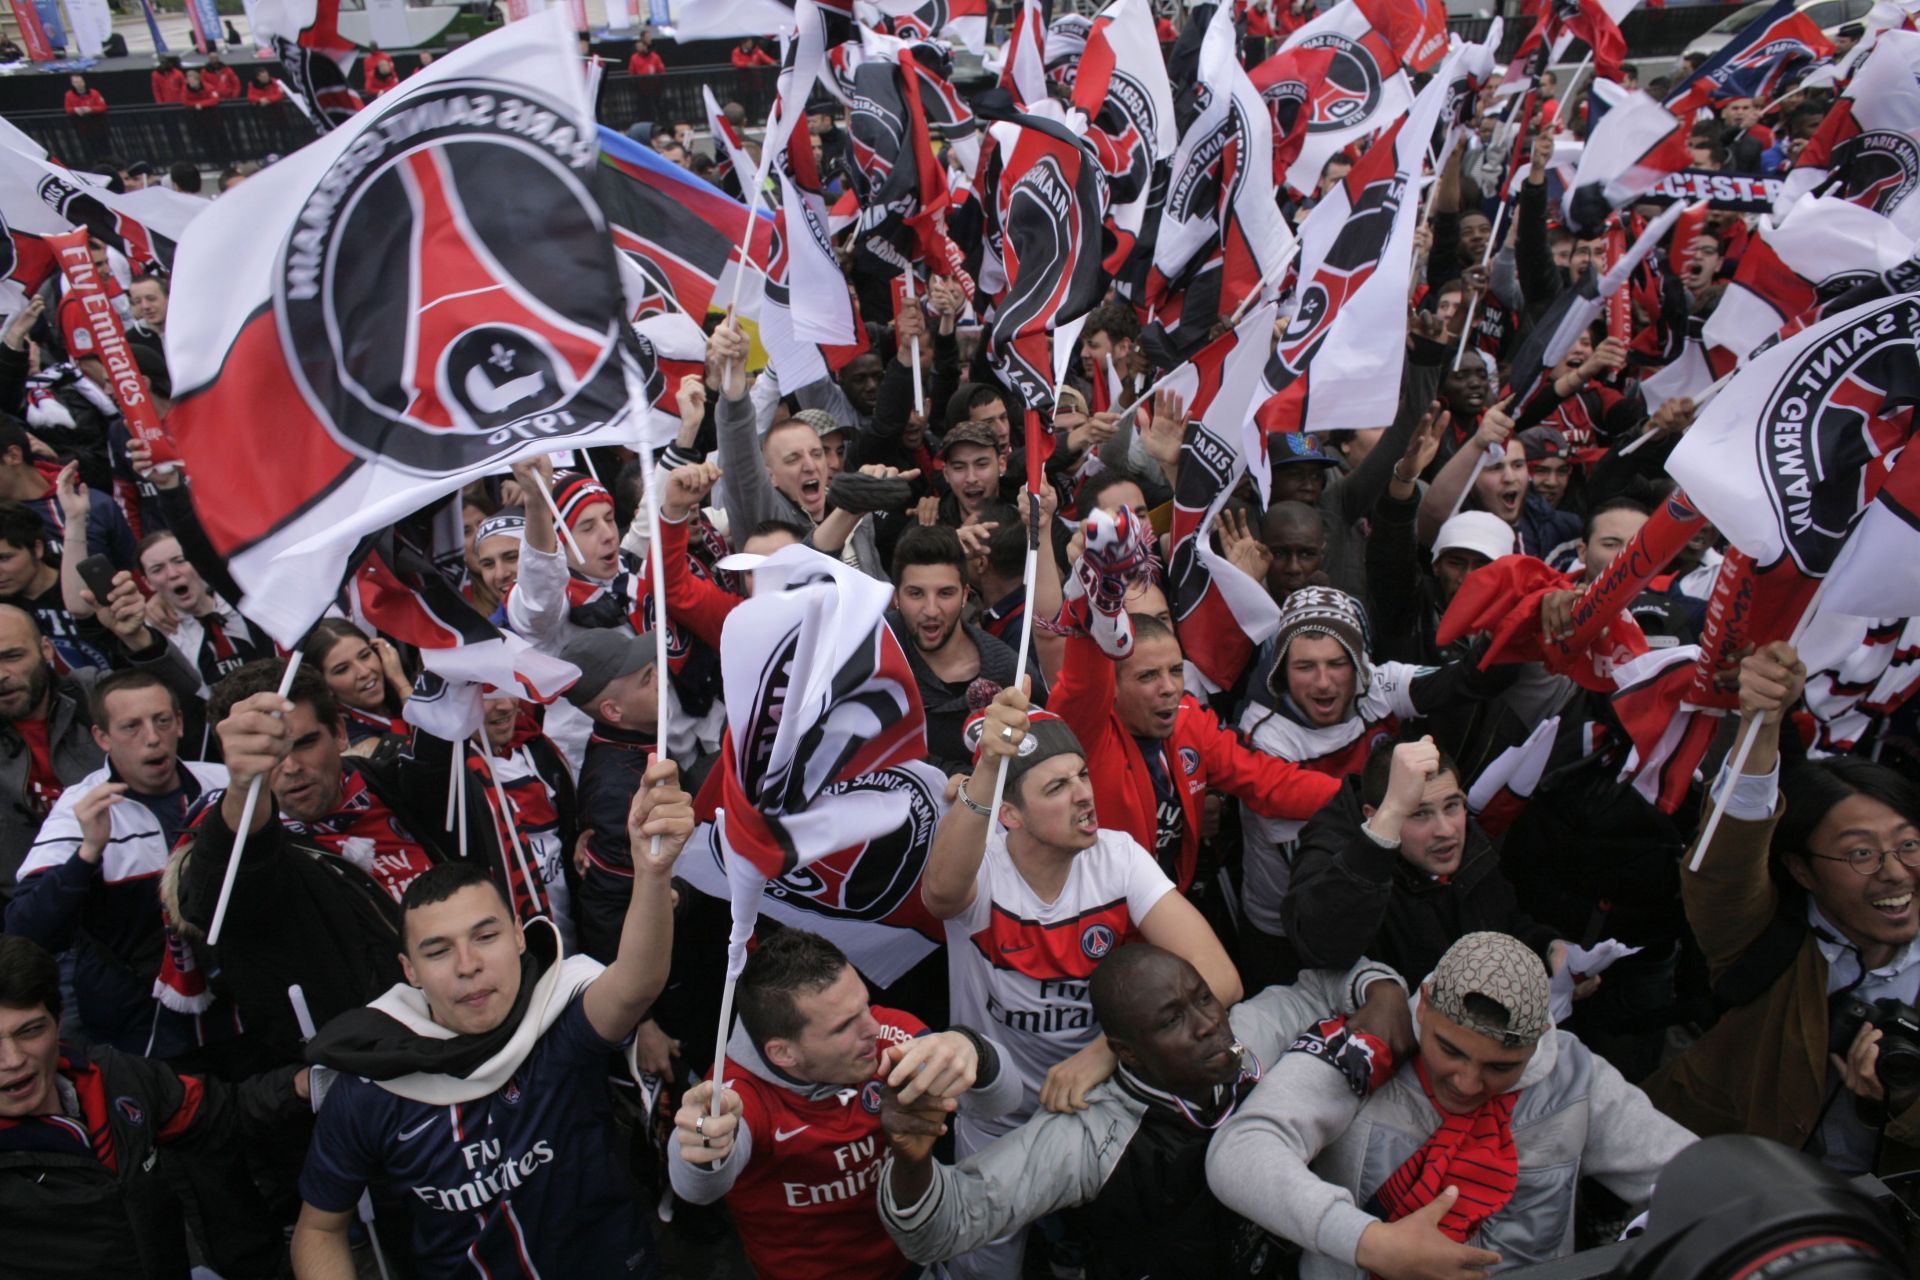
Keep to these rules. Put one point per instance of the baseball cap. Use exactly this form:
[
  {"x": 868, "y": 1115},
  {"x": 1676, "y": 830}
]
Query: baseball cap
[
  {"x": 1284, "y": 447},
  {"x": 1501, "y": 969},
  {"x": 604, "y": 654},
  {"x": 978, "y": 433},
  {"x": 823, "y": 423},
  {"x": 1544, "y": 442},
  {"x": 1047, "y": 736},
  {"x": 1480, "y": 531}
]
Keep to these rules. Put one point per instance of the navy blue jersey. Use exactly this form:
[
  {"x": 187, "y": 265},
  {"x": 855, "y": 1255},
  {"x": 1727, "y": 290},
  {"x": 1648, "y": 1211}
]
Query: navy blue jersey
[{"x": 521, "y": 1183}]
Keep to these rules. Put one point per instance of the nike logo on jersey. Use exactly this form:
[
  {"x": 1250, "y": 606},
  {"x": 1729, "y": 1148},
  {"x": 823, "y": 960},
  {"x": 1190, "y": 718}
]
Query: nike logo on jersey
[
  {"x": 781, "y": 1135},
  {"x": 408, "y": 1135}
]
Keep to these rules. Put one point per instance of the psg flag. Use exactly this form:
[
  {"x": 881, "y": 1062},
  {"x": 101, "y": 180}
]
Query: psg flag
[
  {"x": 316, "y": 57},
  {"x": 1803, "y": 458},
  {"x": 368, "y": 325},
  {"x": 1363, "y": 90},
  {"x": 1867, "y": 150},
  {"x": 1754, "y": 63},
  {"x": 818, "y": 694},
  {"x": 1047, "y": 206}
]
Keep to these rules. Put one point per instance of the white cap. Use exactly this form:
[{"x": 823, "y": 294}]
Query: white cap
[{"x": 1480, "y": 531}]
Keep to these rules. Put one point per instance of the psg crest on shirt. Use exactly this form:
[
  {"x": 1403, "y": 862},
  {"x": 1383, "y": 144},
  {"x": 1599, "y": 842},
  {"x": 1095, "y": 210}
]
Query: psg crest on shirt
[{"x": 498, "y": 343}]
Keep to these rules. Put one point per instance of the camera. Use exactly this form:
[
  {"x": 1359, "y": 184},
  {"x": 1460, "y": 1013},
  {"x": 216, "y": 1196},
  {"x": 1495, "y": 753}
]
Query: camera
[
  {"x": 1899, "y": 1027},
  {"x": 1743, "y": 1207}
]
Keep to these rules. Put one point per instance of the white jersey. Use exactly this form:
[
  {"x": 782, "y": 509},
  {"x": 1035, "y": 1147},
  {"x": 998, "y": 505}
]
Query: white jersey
[{"x": 1018, "y": 966}]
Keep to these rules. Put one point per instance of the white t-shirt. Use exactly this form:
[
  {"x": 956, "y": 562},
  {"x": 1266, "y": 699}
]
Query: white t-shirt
[{"x": 1018, "y": 966}]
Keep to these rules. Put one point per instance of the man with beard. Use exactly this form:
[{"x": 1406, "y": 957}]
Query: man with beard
[
  {"x": 1187, "y": 1061},
  {"x": 479, "y": 1085},
  {"x": 207, "y": 631},
  {"x": 335, "y": 843},
  {"x": 973, "y": 465},
  {"x": 949, "y": 656},
  {"x": 91, "y": 881},
  {"x": 45, "y": 739},
  {"x": 1394, "y": 868}
]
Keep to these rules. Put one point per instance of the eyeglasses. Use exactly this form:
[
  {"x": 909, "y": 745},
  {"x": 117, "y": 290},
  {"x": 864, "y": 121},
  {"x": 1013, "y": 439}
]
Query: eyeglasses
[{"x": 1866, "y": 860}]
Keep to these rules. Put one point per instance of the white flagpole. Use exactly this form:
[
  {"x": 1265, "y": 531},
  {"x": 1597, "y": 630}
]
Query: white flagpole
[
  {"x": 753, "y": 197},
  {"x": 1466, "y": 326},
  {"x": 919, "y": 395},
  {"x": 534, "y": 887},
  {"x": 1699, "y": 403},
  {"x": 1748, "y": 734},
  {"x": 453, "y": 787},
  {"x": 559, "y": 524},
  {"x": 246, "y": 821},
  {"x": 303, "y": 1018},
  {"x": 1568, "y": 98}
]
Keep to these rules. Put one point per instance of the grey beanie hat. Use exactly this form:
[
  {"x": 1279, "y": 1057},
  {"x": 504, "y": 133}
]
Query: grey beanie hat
[{"x": 1322, "y": 611}]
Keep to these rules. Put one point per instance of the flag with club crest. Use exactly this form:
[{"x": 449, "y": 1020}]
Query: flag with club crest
[
  {"x": 1221, "y": 613},
  {"x": 1754, "y": 64},
  {"x": 1122, "y": 89},
  {"x": 1338, "y": 362},
  {"x": 1822, "y": 248},
  {"x": 961, "y": 20},
  {"x": 1867, "y": 150},
  {"x": 317, "y": 59},
  {"x": 1046, "y": 210},
  {"x": 818, "y": 694},
  {"x": 1364, "y": 88},
  {"x": 1801, "y": 461},
  {"x": 818, "y": 307},
  {"x": 39, "y": 197},
  {"x": 1220, "y": 233},
  {"x": 324, "y": 394}
]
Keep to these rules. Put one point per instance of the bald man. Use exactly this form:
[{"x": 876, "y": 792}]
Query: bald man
[
  {"x": 1186, "y": 1062},
  {"x": 1297, "y": 538},
  {"x": 45, "y": 736}
]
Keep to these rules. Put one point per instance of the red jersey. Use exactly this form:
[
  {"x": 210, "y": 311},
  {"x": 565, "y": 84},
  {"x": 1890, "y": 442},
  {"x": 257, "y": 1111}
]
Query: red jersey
[
  {"x": 89, "y": 103},
  {"x": 261, "y": 95},
  {"x": 805, "y": 1202},
  {"x": 645, "y": 64},
  {"x": 43, "y": 785},
  {"x": 225, "y": 82},
  {"x": 169, "y": 85},
  {"x": 199, "y": 99},
  {"x": 751, "y": 58},
  {"x": 1199, "y": 754}
]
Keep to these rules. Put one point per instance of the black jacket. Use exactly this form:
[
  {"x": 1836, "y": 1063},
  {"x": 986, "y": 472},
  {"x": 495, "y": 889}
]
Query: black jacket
[
  {"x": 65, "y": 1212},
  {"x": 1352, "y": 897},
  {"x": 609, "y": 775},
  {"x": 302, "y": 914}
]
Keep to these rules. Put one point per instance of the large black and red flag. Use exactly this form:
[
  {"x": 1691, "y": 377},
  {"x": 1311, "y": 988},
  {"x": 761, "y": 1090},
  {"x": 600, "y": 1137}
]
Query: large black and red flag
[
  {"x": 1754, "y": 63},
  {"x": 962, "y": 20},
  {"x": 1220, "y": 237},
  {"x": 39, "y": 197},
  {"x": 313, "y": 53},
  {"x": 899, "y": 182},
  {"x": 1046, "y": 207},
  {"x": 367, "y": 325},
  {"x": 681, "y": 233},
  {"x": 818, "y": 694},
  {"x": 1363, "y": 90},
  {"x": 1867, "y": 150}
]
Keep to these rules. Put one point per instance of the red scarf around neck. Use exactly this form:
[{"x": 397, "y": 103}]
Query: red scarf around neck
[{"x": 1472, "y": 1152}]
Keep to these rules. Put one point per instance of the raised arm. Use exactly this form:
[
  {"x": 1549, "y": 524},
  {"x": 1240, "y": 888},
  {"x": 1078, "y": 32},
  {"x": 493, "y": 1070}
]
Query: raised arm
[
  {"x": 948, "y": 884},
  {"x": 661, "y": 812}
]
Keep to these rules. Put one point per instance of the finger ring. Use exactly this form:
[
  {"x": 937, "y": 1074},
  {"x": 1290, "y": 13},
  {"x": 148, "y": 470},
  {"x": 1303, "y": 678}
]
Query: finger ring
[
  {"x": 1006, "y": 734},
  {"x": 700, "y": 1123}
]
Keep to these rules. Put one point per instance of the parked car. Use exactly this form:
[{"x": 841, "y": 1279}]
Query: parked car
[{"x": 1828, "y": 15}]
